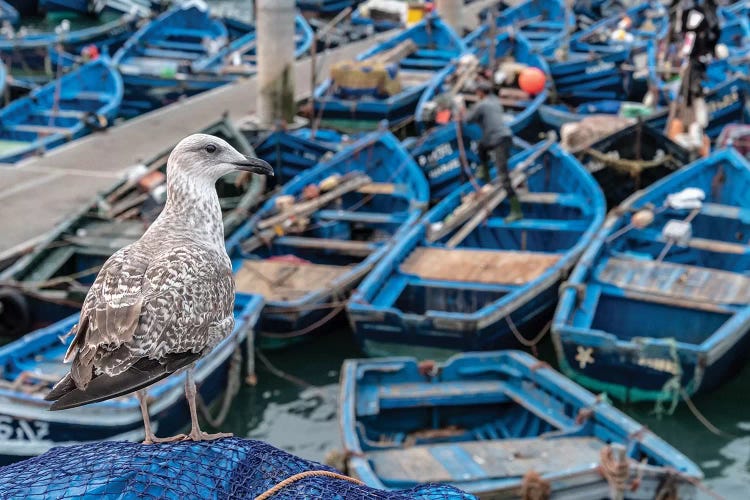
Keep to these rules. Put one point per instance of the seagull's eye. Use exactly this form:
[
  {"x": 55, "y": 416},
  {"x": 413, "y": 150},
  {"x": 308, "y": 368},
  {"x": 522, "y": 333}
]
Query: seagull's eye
[{"x": 210, "y": 148}]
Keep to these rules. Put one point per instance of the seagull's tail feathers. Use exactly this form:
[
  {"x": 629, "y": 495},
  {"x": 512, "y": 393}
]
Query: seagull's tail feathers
[{"x": 142, "y": 373}]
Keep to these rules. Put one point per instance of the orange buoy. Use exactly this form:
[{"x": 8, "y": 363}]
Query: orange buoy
[{"x": 532, "y": 80}]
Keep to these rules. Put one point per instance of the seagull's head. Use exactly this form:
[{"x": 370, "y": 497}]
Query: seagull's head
[{"x": 209, "y": 157}]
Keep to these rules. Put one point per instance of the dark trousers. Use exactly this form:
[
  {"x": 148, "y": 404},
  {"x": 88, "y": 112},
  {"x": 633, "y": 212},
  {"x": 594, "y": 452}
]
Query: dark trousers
[{"x": 501, "y": 147}]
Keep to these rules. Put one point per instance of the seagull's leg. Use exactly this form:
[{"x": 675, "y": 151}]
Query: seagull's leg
[
  {"x": 196, "y": 434},
  {"x": 150, "y": 438}
]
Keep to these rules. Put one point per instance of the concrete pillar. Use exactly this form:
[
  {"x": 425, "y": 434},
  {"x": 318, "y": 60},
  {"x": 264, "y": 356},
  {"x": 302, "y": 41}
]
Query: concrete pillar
[
  {"x": 275, "y": 42},
  {"x": 451, "y": 11}
]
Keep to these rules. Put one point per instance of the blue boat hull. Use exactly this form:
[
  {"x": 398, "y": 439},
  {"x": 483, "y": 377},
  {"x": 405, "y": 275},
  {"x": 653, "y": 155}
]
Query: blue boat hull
[
  {"x": 76, "y": 6},
  {"x": 689, "y": 343}
]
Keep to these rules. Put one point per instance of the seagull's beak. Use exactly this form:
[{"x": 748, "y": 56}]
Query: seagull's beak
[{"x": 255, "y": 165}]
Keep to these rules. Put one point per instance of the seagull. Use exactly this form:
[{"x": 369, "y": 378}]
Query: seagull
[{"x": 161, "y": 303}]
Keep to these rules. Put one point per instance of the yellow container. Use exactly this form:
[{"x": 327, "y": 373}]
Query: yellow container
[{"x": 414, "y": 13}]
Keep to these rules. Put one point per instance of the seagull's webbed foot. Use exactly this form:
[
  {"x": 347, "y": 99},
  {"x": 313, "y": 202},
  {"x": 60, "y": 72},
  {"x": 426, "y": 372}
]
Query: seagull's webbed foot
[
  {"x": 172, "y": 439},
  {"x": 199, "y": 435}
]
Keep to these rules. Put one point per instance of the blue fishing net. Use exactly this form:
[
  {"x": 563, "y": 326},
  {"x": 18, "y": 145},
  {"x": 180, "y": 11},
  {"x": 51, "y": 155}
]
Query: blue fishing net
[{"x": 228, "y": 468}]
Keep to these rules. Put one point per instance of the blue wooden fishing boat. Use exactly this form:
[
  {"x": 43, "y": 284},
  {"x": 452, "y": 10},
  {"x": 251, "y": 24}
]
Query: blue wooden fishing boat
[
  {"x": 448, "y": 156},
  {"x": 555, "y": 116},
  {"x": 644, "y": 23},
  {"x": 542, "y": 23},
  {"x": 521, "y": 114},
  {"x": 499, "y": 425},
  {"x": 84, "y": 100},
  {"x": 582, "y": 77},
  {"x": 657, "y": 308},
  {"x": 30, "y": 366},
  {"x": 631, "y": 159},
  {"x": 292, "y": 152},
  {"x": 8, "y": 14},
  {"x": 50, "y": 283},
  {"x": 185, "y": 51},
  {"x": 309, "y": 245},
  {"x": 725, "y": 104},
  {"x": 27, "y": 52},
  {"x": 386, "y": 82},
  {"x": 464, "y": 279}
]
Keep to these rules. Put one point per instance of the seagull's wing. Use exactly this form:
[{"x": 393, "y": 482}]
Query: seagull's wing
[{"x": 140, "y": 327}]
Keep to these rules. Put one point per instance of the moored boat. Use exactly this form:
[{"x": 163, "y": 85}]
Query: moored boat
[
  {"x": 465, "y": 279},
  {"x": 51, "y": 282},
  {"x": 81, "y": 101},
  {"x": 386, "y": 82},
  {"x": 583, "y": 77},
  {"x": 510, "y": 56},
  {"x": 543, "y": 23},
  {"x": 657, "y": 307},
  {"x": 630, "y": 159},
  {"x": 309, "y": 245},
  {"x": 30, "y": 366},
  {"x": 499, "y": 425},
  {"x": 27, "y": 52},
  {"x": 8, "y": 14},
  {"x": 186, "y": 51}
]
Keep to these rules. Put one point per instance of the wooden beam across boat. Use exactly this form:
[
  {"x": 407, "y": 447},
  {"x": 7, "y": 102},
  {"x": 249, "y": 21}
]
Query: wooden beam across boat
[{"x": 507, "y": 267}]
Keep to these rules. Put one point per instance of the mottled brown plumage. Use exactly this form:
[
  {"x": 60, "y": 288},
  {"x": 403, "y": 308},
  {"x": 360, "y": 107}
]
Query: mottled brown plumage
[{"x": 164, "y": 301}]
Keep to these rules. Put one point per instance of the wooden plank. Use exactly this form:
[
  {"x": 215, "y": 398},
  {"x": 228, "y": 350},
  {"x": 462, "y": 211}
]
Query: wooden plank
[
  {"x": 279, "y": 280},
  {"x": 378, "y": 188},
  {"x": 677, "y": 281},
  {"x": 480, "y": 266},
  {"x": 345, "y": 247},
  {"x": 497, "y": 458},
  {"x": 40, "y": 129}
]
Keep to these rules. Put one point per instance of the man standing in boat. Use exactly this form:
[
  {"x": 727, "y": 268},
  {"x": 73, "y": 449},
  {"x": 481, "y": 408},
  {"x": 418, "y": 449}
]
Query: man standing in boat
[{"x": 488, "y": 113}]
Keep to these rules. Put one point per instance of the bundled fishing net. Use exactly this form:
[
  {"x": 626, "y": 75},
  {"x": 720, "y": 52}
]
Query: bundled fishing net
[{"x": 229, "y": 468}]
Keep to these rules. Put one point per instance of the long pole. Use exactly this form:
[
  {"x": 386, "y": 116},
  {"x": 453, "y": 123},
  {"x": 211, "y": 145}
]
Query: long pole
[{"x": 314, "y": 57}]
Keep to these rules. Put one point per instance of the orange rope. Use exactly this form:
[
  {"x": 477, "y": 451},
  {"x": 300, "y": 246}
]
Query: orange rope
[{"x": 302, "y": 475}]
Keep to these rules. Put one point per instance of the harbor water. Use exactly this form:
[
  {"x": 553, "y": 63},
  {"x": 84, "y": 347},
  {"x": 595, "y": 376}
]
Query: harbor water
[{"x": 296, "y": 411}]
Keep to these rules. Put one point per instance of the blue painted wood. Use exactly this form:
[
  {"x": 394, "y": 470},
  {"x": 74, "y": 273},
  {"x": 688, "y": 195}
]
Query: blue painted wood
[
  {"x": 74, "y": 6},
  {"x": 326, "y": 7},
  {"x": 8, "y": 13},
  {"x": 169, "y": 58},
  {"x": 519, "y": 118},
  {"x": 384, "y": 160},
  {"x": 83, "y": 100},
  {"x": 542, "y": 23},
  {"x": 32, "y": 51},
  {"x": 437, "y": 45},
  {"x": 586, "y": 75},
  {"x": 597, "y": 37},
  {"x": 618, "y": 185},
  {"x": 393, "y": 311},
  {"x": 481, "y": 421},
  {"x": 615, "y": 330},
  {"x": 38, "y": 358}
]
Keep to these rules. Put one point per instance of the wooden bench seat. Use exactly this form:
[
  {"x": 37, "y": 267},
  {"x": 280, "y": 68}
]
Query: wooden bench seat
[
  {"x": 481, "y": 266},
  {"x": 344, "y": 247},
  {"x": 279, "y": 280},
  {"x": 40, "y": 129},
  {"x": 478, "y": 460},
  {"x": 677, "y": 281}
]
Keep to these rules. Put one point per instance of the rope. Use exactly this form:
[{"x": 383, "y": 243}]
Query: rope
[
  {"x": 302, "y": 475},
  {"x": 614, "y": 471},
  {"x": 534, "y": 486},
  {"x": 304, "y": 331},
  {"x": 233, "y": 388},
  {"x": 702, "y": 418},
  {"x": 633, "y": 167},
  {"x": 280, "y": 373},
  {"x": 462, "y": 155},
  {"x": 523, "y": 340}
]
